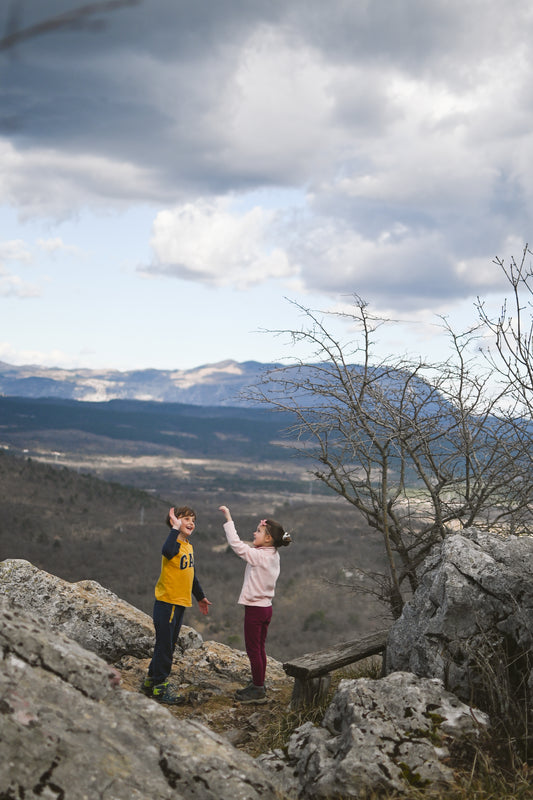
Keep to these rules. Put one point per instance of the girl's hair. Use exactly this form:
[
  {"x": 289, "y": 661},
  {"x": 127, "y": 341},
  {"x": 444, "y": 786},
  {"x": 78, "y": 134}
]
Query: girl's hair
[
  {"x": 279, "y": 536},
  {"x": 181, "y": 511}
]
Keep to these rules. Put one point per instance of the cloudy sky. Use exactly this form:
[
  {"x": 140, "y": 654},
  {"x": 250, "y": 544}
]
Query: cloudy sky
[{"x": 173, "y": 173}]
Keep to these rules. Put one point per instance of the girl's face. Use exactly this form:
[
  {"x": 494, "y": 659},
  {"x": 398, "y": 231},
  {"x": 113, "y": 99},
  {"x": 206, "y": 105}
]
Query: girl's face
[{"x": 262, "y": 538}]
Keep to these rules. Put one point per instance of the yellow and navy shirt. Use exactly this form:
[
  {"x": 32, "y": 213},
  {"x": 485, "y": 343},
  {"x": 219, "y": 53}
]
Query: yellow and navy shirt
[{"x": 177, "y": 581}]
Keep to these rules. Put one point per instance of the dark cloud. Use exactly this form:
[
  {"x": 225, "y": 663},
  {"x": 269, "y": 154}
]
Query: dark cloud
[{"x": 387, "y": 115}]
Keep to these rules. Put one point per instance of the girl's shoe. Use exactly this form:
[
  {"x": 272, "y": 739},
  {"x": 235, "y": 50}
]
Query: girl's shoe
[{"x": 251, "y": 694}]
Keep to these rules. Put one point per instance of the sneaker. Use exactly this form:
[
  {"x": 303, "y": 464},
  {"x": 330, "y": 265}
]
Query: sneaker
[
  {"x": 147, "y": 686},
  {"x": 164, "y": 694},
  {"x": 251, "y": 694}
]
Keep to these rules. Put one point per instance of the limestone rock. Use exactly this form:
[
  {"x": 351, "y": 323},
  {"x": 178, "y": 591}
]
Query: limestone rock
[
  {"x": 214, "y": 662},
  {"x": 377, "y": 735},
  {"x": 67, "y": 731},
  {"x": 85, "y": 611},
  {"x": 474, "y": 603}
]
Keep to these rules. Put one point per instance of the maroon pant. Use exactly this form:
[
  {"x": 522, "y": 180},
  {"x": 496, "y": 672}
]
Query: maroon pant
[{"x": 256, "y": 622}]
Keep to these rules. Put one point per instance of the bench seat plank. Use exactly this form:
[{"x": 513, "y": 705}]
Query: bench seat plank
[{"x": 314, "y": 665}]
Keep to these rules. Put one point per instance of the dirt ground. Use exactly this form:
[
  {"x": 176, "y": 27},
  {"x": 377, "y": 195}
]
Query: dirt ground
[{"x": 249, "y": 728}]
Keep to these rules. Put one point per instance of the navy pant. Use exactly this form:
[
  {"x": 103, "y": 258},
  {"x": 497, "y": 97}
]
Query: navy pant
[
  {"x": 167, "y": 623},
  {"x": 256, "y": 622}
]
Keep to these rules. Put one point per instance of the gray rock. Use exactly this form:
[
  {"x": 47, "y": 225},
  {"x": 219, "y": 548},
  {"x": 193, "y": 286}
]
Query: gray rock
[
  {"x": 377, "y": 735},
  {"x": 216, "y": 664},
  {"x": 472, "y": 611},
  {"x": 85, "y": 611},
  {"x": 67, "y": 730}
]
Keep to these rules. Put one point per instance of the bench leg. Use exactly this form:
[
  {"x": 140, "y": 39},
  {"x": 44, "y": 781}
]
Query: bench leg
[{"x": 310, "y": 692}]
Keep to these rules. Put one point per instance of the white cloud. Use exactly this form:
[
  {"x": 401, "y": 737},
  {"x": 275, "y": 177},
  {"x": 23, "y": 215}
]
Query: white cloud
[
  {"x": 15, "y": 250},
  {"x": 14, "y": 355},
  {"x": 208, "y": 243},
  {"x": 277, "y": 111},
  {"x": 13, "y": 286},
  {"x": 47, "y": 183},
  {"x": 57, "y": 245}
]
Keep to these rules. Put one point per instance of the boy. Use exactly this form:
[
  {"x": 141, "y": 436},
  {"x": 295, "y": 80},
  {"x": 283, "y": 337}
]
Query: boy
[{"x": 177, "y": 582}]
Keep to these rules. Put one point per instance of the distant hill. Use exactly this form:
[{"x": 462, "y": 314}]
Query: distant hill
[
  {"x": 225, "y": 384},
  {"x": 218, "y": 384}
]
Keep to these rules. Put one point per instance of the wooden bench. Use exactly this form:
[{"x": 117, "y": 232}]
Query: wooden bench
[{"x": 311, "y": 672}]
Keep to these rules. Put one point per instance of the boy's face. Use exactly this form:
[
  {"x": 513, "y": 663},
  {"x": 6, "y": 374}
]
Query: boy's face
[{"x": 187, "y": 526}]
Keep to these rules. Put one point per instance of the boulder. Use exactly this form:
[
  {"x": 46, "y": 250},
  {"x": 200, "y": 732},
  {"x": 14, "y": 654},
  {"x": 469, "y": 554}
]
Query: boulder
[
  {"x": 379, "y": 735},
  {"x": 68, "y": 731},
  {"x": 84, "y": 611},
  {"x": 471, "y": 617}
]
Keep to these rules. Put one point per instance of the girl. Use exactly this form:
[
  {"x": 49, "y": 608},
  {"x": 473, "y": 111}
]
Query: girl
[{"x": 260, "y": 576}]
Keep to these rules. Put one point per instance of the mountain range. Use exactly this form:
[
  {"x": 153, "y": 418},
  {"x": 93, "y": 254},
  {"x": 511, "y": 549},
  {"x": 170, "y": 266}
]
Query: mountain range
[{"x": 218, "y": 384}]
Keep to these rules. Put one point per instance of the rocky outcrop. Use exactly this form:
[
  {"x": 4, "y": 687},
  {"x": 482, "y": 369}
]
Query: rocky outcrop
[
  {"x": 121, "y": 634},
  {"x": 68, "y": 731},
  {"x": 377, "y": 735},
  {"x": 72, "y": 725},
  {"x": 84, "y": 611},
  {"x": 471, "y": 615}
]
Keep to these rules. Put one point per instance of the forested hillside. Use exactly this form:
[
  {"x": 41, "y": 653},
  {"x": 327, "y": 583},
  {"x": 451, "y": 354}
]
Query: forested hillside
[{"x": 194, "y": 430}]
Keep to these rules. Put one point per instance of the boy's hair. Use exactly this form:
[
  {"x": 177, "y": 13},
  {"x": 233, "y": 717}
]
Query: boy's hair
[
  {"x": 181, "y": 511},
  {"x": 279, "y": 536}
]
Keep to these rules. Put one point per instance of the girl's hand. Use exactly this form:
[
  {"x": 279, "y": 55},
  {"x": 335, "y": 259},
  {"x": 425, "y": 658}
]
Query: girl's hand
[{"x": 226, "y": 512}]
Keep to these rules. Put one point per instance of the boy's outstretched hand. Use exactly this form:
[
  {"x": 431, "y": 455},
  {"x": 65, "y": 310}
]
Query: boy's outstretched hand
[
  {"x": 225, "y": 510},
  {"x": 203, "y": 605},
  {"x": 175, "y": 522}
]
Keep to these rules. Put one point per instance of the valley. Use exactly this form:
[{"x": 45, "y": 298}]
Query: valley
[{"x": 83, "y": 501}]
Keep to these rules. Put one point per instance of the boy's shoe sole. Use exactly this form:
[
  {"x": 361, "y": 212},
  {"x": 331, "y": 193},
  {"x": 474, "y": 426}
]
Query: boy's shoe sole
[{"x": 170, "y": 700}]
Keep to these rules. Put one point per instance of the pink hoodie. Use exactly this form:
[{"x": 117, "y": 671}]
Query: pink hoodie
[{"x": 262, "y": 569}]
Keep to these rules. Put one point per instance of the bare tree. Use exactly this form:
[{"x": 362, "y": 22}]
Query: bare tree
[
  {"x": 416, "y": 448},
  {"x": 81, "y": 17},
  {"x": 511, "y": 355}
]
